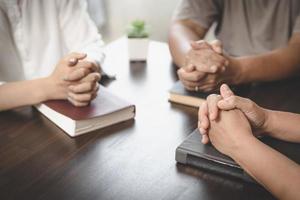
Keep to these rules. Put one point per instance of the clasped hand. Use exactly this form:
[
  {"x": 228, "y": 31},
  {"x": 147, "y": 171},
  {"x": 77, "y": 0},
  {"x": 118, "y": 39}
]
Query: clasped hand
[
  {"x": 227, "y": 120},
  {"x": 206, "y": 68},
  {"x": 76, "y": 79}
]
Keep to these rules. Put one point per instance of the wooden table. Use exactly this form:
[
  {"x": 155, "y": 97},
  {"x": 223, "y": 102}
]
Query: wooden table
[{"x": 131, "y": 160}]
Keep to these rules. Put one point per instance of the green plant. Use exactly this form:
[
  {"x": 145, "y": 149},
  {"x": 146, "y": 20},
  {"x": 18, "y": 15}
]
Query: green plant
[{"x": 137, "y": 29}]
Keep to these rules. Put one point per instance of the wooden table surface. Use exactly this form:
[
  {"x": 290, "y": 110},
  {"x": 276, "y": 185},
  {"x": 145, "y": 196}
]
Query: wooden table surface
[{"x": 131, "y": 160}]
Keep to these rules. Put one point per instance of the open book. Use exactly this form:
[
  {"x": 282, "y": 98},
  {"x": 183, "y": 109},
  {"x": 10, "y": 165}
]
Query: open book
[{"x": 105, "y": 110}]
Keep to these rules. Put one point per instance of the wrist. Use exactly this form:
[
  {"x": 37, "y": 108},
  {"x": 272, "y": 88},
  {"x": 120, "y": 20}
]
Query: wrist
[
  {"x": 243, "y": 148},
  {"x": 236, "y": 67},
  {"x": 267, "y": 126},
  {"x": 42, "y": 90},
  {"x": 53, "y": 89}
]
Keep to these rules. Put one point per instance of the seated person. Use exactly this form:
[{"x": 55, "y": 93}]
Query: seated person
[
  {"x": 258, "y": 40},
  {"x": 36, "y": 63},
  {"x": 231, "y": 123}
]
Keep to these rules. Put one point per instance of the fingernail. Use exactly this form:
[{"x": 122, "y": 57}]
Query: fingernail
[
  {"x": 226, "y": 87},
  {"x": 64, "y": 78},
  {"x": 213, "y": 68},
  {"x": 202, "y": 131},
  {"x": 203, "y": 139},
  {"x": 204, "y": 125},
  {"x": 72, "y": 60}
]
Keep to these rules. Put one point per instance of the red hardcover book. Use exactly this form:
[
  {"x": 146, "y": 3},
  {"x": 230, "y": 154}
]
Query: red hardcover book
[{"x": 107, "y": 109}]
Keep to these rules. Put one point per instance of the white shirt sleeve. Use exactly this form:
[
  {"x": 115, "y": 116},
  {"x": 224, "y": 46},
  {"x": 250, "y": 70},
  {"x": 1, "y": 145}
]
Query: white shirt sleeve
[{"x": 79, "y": 31}]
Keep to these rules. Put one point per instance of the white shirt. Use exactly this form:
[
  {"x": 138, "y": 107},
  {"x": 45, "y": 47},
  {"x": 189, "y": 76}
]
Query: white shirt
[{"x": 36, "y": 34}]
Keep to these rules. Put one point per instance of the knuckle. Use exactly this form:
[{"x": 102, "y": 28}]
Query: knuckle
[
  {"x": 214, "y": 79},
  {"x": 88, "y": 96},
  {"x": 233, "y": 100},
  {"x": 95, "y": 95},
  {"x": 97, "y": 87},
  {"x": 75, "y": 89},
  {"x": 89, "y": 86},
  {"x": 75, "y": 98},
  {"x": 82, "y": 72},
  {"x": 90, "y": 65},
  {"x": 97, "y": 76},
  {"x": 77, "y": 104},
  {"x": 211, "y": 96},
  {"x": 85, "y": 71},
  {"x": 179, "y": 71},
  {"x": 250, "y": 103},
  {"x": 198, "y": 76}
]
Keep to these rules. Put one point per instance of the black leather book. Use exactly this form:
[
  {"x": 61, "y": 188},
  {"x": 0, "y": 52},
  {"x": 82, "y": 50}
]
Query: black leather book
[{"x": 193, "y": 152}]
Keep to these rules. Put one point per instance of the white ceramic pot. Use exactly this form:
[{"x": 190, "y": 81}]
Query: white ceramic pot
[{"x": 138, "y": 49}]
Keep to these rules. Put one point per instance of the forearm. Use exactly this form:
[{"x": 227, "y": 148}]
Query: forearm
[
  {"x": 270, "y": 67},
  {"x": 275, "y": 65},
  {"x": 180, "y": 36},
  {"x": 283, "y": 125},
  {"x": 25, "y": 93},
  {"x": 273, "y": 170}
]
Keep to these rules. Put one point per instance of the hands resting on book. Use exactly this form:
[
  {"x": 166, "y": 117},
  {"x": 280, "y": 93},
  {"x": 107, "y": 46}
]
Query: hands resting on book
[
  {"x": 75, "y": 78},
  {"x": 231, "y": 123},
  {"x": 210, "y": 109},
  {"x": 206, "y": 67}
]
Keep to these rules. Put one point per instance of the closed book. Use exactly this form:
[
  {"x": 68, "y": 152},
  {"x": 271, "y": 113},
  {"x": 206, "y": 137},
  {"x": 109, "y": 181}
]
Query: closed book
[
  {"x": 105, "y": 110},
  {"x": 178, "y": 94},
  {"x": 204, "y": 156}
]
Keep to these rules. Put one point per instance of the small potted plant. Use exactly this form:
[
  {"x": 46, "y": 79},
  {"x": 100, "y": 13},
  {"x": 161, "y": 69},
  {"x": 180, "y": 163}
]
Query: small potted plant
[{"x": 138, "y": 41}]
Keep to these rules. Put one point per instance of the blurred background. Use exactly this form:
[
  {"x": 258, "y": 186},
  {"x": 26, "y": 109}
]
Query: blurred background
[{"x": 113, "y": 16}]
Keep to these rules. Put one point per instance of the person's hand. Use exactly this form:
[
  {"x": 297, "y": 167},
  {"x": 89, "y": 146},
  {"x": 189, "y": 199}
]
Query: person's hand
[
  {"x": 207, "y": 57},
  {"x": 82, "y": 92},
  {"x": 82, "y": 65},
  {"x": 75, "y": 78},
  {"x": 229, "y": 131},
  {"x": 190, "y": 77},
  {"x": 229, "y": 75},
  {"x": 226, "y": 69},
  {"x": 203, "y": 61},
  {"x": 210, "y": 109},
  {"x": 83, "y": 88}
]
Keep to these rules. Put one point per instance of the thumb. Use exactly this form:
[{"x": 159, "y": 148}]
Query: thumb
[
  {"x": 217, "y": 46},
  {"x": 73, "y": 58},
  {"x": 235, "y": 102},
  {"x": 197, "y": 45},
  {"x": 225, "y": 91},
  {"x": 189, "y": 68}
]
